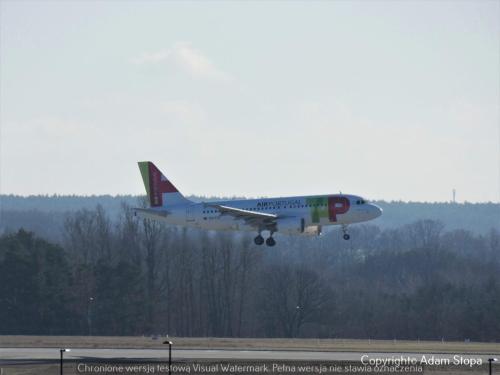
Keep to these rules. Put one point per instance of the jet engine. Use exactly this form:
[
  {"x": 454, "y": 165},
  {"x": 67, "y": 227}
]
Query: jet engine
[
  {"x": 295, "y": 225},
  {"x": 312, "y": 230}
]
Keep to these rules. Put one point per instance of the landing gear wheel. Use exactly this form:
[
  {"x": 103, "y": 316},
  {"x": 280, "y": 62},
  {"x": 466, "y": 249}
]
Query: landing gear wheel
[
  {"x": 259, "y": 240},
  {"x": 270, "y": 241},
  {"x": 346, "y": 235}
]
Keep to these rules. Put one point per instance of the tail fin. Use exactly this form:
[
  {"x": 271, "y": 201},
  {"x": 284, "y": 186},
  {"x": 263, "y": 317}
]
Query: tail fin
[{"x": 161, "y": 192}]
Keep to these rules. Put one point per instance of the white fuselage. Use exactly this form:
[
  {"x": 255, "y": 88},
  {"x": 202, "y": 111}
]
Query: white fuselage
[{"x": 295, "y": 213}]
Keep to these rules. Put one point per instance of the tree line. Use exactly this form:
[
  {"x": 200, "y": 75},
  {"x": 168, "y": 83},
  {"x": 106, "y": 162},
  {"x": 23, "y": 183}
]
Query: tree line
[
  {"x": 129, "y": 276},
  {"x": 45, "y": 215}
]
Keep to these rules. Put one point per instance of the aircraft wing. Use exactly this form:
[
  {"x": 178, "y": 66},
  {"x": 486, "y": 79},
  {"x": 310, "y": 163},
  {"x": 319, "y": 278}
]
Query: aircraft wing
[{"x": 256, "y": 219}]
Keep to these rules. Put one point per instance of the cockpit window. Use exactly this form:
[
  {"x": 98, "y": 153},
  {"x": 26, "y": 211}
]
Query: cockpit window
[{"x": 361, "y": 201}]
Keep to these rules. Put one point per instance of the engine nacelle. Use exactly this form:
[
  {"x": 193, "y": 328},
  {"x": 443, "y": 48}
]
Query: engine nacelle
[
  {"x": 312, "y": 230},
  {"x": 294, "y": 225}
]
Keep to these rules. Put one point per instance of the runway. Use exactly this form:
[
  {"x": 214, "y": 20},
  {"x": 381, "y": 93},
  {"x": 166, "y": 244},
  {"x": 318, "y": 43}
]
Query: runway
[{"x": 13, "y": 355}]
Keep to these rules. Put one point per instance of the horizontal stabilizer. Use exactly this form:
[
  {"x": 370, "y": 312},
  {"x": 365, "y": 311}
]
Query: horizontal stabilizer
[{"x": 150, "y": 213}]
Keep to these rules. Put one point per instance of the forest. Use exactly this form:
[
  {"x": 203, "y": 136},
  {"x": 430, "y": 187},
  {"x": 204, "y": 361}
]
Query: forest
[
  {"x": 109, "y": 273},
  {"x": 45, "y": 215}
]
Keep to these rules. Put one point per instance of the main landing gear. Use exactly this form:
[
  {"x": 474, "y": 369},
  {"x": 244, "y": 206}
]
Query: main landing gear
[
  {"x": 270, "y": 241},
  {"x": 259, "y": 240},
  {"x": 346, "y": 235}
]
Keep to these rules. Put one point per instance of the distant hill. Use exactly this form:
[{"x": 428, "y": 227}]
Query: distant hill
[{"x": 45, "y": 214}]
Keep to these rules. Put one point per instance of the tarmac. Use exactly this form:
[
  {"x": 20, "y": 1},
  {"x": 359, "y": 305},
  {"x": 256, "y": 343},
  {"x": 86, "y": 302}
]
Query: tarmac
[{"x": 19, "y": 355}]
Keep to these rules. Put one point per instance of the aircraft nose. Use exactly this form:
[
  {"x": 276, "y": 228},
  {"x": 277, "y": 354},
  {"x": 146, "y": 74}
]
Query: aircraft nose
[{"x": 377, "y": 211}]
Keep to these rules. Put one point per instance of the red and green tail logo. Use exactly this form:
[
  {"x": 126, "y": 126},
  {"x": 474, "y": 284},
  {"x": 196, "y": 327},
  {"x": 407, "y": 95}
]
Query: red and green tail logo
[{"x": 155, "y": 182}]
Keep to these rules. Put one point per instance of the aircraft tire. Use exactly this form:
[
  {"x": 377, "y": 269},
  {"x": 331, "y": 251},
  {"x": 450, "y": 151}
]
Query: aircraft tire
[
  {"x": 270, "y": 242},
  {"x": 259, "y": 240}
]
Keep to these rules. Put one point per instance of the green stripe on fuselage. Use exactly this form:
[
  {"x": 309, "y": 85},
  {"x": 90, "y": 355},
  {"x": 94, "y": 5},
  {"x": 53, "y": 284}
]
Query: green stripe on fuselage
[{"x": 318, "y": 208}]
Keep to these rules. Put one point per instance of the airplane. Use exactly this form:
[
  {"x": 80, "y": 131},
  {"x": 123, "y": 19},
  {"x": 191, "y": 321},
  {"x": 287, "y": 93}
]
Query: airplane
[{"x": 301, "y": 215}]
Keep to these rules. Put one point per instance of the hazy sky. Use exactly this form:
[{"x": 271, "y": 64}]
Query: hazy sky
[{"x": 390, "y": 100}]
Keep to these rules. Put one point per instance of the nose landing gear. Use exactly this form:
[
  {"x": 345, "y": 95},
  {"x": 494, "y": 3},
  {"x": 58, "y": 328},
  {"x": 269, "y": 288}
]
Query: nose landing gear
[{"x": 346, "y": 235}]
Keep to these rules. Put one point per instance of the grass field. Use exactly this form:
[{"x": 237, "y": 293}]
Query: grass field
[{"x": 265, "y": 344}]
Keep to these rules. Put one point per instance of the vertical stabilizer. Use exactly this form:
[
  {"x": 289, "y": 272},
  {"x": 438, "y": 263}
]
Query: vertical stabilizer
[{"x": 161, "y": 192}]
